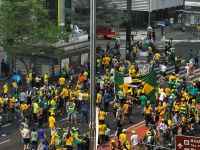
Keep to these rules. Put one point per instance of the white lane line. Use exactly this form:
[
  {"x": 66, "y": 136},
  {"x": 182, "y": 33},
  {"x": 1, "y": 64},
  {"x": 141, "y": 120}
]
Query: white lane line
[
  {"x": 6, "y": 125},
  {"x": 62, "y": 119},
  {"x": 136, "y": 125},
  {"x": 5, "y": 142}
]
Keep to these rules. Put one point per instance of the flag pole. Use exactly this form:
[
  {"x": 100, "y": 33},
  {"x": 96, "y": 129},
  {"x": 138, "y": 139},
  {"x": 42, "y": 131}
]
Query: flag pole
[{"x": 93, "y": 145}]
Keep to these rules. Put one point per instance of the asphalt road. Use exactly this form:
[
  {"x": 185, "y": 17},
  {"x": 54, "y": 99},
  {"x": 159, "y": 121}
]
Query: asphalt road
[
  {"x": 12, "y": 141},
  {"x": 184, "y": 48}
]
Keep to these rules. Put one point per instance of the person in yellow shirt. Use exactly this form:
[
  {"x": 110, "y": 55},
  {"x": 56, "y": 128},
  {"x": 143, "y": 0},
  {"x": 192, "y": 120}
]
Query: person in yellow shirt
[
  {"x": 52, "y": 123},
  {"x": 132, "y": 71},
  {"x": 46, "y": 78},
  {"x": 61, "y": 81},
  {"x": 5, "y": 89},
  {"x": 102, "y": 115},
  {"x": 150, "y": 51},
  {"x": 1, "y": 101},
  {"x": 14, "y": 88},
  {"x": 167, "y": 91},
  {"x": 11, "y": 105},
  {"x": 157, "y": 58},
  {"x": 134, "y": 51},
  {"x": 122, "y": 138},
  {"x": 23, "y": 106},
  {"x": 98, "y": 65},
  {"x": 121, "y": 68},
  {"x": 69, "y": 141},
  {"x": 99, "y": 98},
  {"x": 102, "y": 130},
  {"x": 85, "y": 95},
  {"x": 172, "y": 77},
  {"x": 147, "y": 113},
  {"x": 106, "y": 61},
  {"x": 85, "y": 74},
  {"x": 65, "y": 93}
]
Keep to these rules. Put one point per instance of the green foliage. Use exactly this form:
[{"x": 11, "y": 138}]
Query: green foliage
[
  {"x": 25, "y": 27},
  {"x": 107, "y": 14}
]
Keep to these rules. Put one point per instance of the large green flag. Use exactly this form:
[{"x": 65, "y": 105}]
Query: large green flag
[{"x": 149, "y": 81}]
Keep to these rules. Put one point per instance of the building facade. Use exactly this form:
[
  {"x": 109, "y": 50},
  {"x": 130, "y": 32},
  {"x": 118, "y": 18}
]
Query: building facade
[
  {"x": 159, "y": 9},
  {"x": 191, "y": 14}
]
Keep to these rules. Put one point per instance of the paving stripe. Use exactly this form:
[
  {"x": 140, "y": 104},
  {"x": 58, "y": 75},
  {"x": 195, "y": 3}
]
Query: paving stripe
[
  {"x": 6, "y": 125},
  {"x": 5, "y": 142}
]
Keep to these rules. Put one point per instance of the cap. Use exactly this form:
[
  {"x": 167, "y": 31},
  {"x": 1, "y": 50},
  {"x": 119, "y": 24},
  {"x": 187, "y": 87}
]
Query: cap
[
  {"x": 113, "y": 141},
  {"x": 134, "y": 132},
  {"x": 148, "y": 133},
  {"x": 124, "y": 130}
]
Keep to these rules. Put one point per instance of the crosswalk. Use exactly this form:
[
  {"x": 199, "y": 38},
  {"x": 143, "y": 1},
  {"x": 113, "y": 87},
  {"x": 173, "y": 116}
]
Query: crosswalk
[{"x": 182, "y": 72}]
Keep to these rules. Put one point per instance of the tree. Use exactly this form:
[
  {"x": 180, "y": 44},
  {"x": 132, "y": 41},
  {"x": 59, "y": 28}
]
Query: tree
[
  {"x": 25, "y": 27},
  {"x": 107, "y": 14}
]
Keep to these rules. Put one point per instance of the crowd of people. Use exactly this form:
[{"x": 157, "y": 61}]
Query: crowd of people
[{"x": 40, "y": 100}]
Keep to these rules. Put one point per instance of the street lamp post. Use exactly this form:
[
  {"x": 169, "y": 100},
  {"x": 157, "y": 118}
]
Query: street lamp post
[
  {"x": 128, "y": 30},
  {"x": 92, "y": 74}
]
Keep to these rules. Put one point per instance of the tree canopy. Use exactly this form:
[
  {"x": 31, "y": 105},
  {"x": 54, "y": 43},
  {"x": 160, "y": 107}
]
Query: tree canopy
[
  {"x": 25, "y": 26},
  {"x": 107, "y": 14}
]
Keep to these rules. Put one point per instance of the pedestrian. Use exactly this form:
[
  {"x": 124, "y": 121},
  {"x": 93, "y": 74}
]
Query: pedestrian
[
  {"x": 102, "y": 130},
  {"x": 25, "y": 133},
  {"x": 147, "y": 113},
  {"x": 34, "y": 139},
  {"x": 40, "y": 116},
  {"x": 106, "y": 100},
  {"x": 52, "y": 123},
  {"x": 84, "y": 112},
  {"x": 85, "y": 142},
  {"x": 197, "y": 59},
  {"x": 69, "y": 141},
  {"x": 134, "y": 140},
  {"x": 41, "y": 134},
  {"x": 122, "y": 139},
  {"x": 113, "y": 145}
]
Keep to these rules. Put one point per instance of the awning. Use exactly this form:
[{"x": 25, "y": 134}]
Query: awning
[
  {"x": 189, "y": 11},
  {"x": 192, "y": 3}
]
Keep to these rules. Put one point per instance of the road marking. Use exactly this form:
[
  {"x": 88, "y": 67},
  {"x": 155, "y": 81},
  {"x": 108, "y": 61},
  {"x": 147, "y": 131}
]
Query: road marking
[
  {"x": 6, "y": 125},
  {"x": 62, "y": 119},
  {"x": 5, "y": 142},
  {"x": 136, "y": 125}
]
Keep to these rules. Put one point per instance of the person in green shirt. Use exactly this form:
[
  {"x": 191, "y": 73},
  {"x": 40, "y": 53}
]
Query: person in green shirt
[
  {"x": 35, "y": 110},
  {"x": 143, "y": 101}
]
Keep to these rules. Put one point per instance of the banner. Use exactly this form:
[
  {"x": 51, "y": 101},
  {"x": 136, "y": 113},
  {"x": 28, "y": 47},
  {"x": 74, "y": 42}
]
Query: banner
[{"x": 149, "y": 82}]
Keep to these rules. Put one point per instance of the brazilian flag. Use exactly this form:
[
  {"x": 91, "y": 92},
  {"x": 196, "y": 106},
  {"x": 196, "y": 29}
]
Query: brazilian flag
[{"x": 149, "y": 82}]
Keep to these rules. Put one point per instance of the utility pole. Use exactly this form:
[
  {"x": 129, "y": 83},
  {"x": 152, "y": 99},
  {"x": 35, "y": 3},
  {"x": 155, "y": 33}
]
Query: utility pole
[
  {"x": 72, "y": 12},
  {"x": 128, "y": 30},
  {"x": 93, "y": 135},
  {"x": 149, "y": 17}
]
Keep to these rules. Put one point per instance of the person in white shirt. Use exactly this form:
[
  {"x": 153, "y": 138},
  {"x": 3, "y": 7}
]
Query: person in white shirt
[
  {"x": 187, "y": 68},
  {"x": 162, "y": 95},
  {"x": 134, "y": 140},
  {"x": 25, "y": 132}
]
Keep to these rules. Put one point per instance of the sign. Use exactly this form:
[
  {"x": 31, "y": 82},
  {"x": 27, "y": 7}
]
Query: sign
[
  {"x": 187, "y": 142},
  {"x": 127, "y": 79},
  {"x": 161, "y": 23},
  {"x": 65, "y": 63},
  {"x": 84, "y": 58},
  {"x": 134, "y": 33},
  {"x": 56, "y": 69}
]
